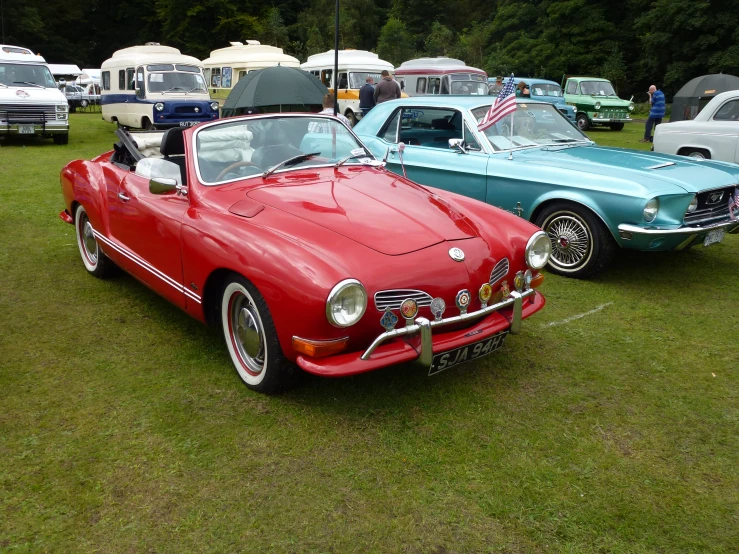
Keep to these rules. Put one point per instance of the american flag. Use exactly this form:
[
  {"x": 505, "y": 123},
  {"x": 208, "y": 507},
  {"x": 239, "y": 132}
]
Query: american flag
[
  {"x": 504, "y": 104},
  {"x": 733, "y": 203}
]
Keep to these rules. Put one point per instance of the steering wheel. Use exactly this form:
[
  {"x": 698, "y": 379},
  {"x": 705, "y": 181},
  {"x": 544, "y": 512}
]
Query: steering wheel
[{"x": 235, "y": 165}]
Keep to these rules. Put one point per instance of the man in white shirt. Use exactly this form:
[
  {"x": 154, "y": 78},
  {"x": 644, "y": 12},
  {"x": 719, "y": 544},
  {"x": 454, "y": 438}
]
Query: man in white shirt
[{"x": 328, "y": 109}]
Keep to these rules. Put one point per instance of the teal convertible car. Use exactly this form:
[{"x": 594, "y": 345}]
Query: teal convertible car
[{"x": 589, "y": 199}]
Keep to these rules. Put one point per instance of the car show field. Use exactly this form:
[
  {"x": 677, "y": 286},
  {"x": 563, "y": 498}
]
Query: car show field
[{"x": 610, "y": 424}]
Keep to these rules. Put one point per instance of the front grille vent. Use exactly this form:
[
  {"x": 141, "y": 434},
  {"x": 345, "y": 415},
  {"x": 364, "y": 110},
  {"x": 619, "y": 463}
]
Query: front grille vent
[
  {"x": 15, "y": 113},
  {"x": 713, "y": 205},
  {"x": 499, "y": 271},
  {"x": 394, "y": 298}
]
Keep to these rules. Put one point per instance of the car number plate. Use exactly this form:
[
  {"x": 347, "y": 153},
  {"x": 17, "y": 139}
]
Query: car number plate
[
  {"x": 188, "y": 123},
  {"x": 25, "y": 129},
  {"x": 463, "y": 354},
  {"x": 717, "y": 235}
]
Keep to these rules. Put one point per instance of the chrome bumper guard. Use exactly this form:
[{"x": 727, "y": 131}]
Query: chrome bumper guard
[
  {"x": 627, "y": 229},
  {"x": 423, "y": 326}
]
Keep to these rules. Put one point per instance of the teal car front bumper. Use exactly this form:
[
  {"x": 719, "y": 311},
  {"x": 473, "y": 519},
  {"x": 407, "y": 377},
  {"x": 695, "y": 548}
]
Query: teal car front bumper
[{"x": 654, "y": 238}]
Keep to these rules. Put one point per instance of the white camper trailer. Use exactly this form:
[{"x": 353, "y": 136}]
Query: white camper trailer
[
  {"x": 154, "y": 86},
  {"x": 354, "y": 68},
  {"x": 30, "y": 102},
  {"x": 226, "y": 66}
]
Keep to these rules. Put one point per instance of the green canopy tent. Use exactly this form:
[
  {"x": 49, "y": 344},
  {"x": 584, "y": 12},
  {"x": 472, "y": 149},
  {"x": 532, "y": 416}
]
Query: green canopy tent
[
  {"x": 275, "y": 89},
  {"x": 696, "y": 93}
]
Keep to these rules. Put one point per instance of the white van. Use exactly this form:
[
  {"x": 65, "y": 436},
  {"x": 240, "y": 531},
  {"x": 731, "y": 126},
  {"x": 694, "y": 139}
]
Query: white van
[
  {"x": 30, "y": 102},
  {"x": 354, "y": 68},
  {"x": 441, "y": 76},
  {"x": 155, "y": 87},
  {"x": 226, "y": 66}
]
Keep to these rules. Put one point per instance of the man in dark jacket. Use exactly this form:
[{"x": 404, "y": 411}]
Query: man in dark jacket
[
  {"x": 386, "y": 89},
  {"x": 367, "y": 96}
]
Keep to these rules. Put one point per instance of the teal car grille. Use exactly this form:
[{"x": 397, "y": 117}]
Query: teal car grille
[{"x": 712, "y": 205}]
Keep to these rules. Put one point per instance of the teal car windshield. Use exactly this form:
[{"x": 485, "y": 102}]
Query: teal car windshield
[
  {"x": 597, "y": 88},
  {"x": 533, "y": 125},
  {"x": 545, "y": 89}
]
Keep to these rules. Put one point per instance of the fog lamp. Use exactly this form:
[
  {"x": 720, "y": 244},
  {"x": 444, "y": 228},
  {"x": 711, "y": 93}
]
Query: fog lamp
[
  {"x": 693, "y": 205},
  {"x": 527, "y": 278}
]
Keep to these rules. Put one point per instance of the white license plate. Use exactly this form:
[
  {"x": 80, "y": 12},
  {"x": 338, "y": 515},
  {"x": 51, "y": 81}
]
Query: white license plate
[
  {"x": 717, "y": 235},
  {"x": 26, "y": 130},
  {"x": 445, "y": 360},
  {"x": 188, "y": 123}
]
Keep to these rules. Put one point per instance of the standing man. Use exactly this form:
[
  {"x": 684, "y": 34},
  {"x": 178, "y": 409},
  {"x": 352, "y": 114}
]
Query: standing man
[
  {"x": 367, "y": 96},
  {"x": 386, "y": 89},
  {"x": 657, "y": 101}
]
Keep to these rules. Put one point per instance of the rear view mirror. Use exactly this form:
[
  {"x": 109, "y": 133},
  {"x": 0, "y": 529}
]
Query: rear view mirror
[
  {"x": 162, "y": 185},
  {"x": 458, "y": 145}
]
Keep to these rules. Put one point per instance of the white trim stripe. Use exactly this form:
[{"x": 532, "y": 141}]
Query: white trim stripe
[{"x": 150, "y": 268}]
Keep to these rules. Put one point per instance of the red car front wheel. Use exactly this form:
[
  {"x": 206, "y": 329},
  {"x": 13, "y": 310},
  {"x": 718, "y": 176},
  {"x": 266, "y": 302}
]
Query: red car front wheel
[{"x": 251, "y": 338}]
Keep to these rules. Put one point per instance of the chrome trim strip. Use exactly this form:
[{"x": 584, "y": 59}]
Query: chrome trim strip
[
  {"x": 392, "y": 298},
  {"x": 150, "y": 268},
  {"x": 636, "y": 230},
  {"x": 659, "y": 166},
  {"x": 515, "y": 300},
  {"x": 497, "y": 273}
]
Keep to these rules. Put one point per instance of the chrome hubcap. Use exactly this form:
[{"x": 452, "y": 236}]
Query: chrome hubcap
[
  {"x": 697, "y": 155},
  {"x": 91, "y": 245},
  {"x": 247, "y": 334},
  {"x": 571, "y": 242}
]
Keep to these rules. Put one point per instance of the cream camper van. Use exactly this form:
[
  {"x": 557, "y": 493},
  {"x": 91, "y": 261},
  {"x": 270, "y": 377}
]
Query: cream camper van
[
  {"x": 354, "y": 68},
  {"x": 226, "y": 66},
  {"x": 30, "y": 102},
  {"x": 155, "y": 86}
]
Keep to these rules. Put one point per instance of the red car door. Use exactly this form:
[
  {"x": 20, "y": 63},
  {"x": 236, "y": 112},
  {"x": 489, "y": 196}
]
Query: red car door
[{"x": 147, "y": 229}]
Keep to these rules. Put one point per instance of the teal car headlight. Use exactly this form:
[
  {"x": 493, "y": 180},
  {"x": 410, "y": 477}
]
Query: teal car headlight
[
  {"x": 651, "y": 209},
  {"x": 346, "y": 303},
  {"x": 538, "y": 250}
]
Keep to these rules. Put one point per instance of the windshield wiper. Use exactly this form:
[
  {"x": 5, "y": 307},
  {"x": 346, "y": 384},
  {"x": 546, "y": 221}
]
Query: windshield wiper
[
  {"x": 192, "y": 89},
  {"x": 28, "y": 83},
  {"x": 350, "y": 157},
  {"x": 289, "y": 162},
  {"x": 566, "y": 140},
  {"x": 173, "y": 89}
]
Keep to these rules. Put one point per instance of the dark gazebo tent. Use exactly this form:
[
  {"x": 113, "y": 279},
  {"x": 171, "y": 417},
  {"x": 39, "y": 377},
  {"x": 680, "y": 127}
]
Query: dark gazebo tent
[
  {"x": 275, "y": 89},
  {"x": 691, "y": 99}
]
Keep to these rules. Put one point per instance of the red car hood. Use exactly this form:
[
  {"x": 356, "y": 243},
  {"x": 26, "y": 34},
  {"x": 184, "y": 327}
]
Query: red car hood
[{"x": 383, "y": 213}]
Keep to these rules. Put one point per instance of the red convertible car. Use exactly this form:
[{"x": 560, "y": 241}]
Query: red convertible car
[{"x": 287, "y": 233}]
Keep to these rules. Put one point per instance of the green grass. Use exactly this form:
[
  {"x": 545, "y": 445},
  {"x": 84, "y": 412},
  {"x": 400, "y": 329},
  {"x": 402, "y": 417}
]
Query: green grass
[{"x": 123, "y": 427}]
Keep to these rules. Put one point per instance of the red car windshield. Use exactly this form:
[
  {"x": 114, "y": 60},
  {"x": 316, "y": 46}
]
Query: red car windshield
[{"x": 234, "y": 150}]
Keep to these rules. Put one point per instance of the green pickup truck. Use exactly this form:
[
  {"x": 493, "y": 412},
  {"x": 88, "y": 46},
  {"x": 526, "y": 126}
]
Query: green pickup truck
[{"x": 596, "y": 103}]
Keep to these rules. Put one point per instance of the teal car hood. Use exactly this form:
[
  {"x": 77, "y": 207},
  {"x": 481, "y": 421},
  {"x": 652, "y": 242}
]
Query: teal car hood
[{"x": 633, "y": 165}]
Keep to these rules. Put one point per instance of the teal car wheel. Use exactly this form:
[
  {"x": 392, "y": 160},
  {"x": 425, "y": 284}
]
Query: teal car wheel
[{"x": 581, "y": 245}]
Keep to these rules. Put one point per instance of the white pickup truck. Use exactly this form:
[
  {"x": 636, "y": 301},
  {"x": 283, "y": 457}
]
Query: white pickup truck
[{"x": 30, "y": 102}]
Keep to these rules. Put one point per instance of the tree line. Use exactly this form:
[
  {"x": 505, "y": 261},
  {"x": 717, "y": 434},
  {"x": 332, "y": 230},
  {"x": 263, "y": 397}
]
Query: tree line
[{"x": 634, "y": 43}]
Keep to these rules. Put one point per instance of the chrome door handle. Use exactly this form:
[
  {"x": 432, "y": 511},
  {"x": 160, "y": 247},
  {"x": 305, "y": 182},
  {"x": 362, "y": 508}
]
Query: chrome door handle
[{"x": 123, "y": 197}]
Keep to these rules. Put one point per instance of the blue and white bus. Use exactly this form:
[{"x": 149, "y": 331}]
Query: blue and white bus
[{"x": 155, "y": 87}]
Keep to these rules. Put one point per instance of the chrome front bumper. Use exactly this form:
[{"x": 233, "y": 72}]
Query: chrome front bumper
[
  {"x": 611, "y": 120},
  {"x": 423, "y": 326},
  {"x": 627, "y": 231}
]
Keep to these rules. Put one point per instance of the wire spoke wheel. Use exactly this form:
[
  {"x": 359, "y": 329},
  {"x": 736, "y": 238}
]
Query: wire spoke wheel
[{"x": 572, "y": 241}]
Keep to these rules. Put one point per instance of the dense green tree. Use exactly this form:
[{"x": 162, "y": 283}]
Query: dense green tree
[
  {"x": 440, "y": 40},
  {"x": 635, "y": 43},
  {"x": 395, "y": 43}
]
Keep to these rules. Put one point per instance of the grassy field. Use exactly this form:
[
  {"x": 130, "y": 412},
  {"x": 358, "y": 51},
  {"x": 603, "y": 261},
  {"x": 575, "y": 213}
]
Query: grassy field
[{"x": 123, "y": 427}]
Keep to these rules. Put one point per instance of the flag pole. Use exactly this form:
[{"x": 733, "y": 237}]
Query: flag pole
[{"x": 510, "y": 154}]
